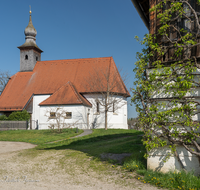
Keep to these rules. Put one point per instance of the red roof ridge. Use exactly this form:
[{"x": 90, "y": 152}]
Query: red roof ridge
[
  {"x": 74, "y": 59},
  {"x": 122, "y": 80},
  {"x": 55, "y": 95},
  {"x": 75, "y": 91},
  {"x": 78, "y": 94}
]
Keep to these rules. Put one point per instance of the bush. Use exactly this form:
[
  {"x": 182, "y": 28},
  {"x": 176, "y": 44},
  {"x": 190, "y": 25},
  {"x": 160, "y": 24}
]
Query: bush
[
  {"x": 19, "y": 116},
  {"x": 3, "y": 117}
]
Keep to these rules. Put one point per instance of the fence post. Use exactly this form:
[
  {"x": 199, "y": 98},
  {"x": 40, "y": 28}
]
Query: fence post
[
  {"x": 37, "y": 126},
  {"x": 26, "y": 124}
]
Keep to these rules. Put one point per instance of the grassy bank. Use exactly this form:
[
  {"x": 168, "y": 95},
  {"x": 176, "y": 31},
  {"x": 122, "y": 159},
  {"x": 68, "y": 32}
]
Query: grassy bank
[
  {"x": 37, "y": 136},
  {"x": 101, "y": 142}
]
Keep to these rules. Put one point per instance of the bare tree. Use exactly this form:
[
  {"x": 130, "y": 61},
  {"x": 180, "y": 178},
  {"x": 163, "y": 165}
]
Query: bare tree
[
  {"x": 56, "y": 117},
  {"x": 111, "y": 90},
  {"x": 4, "y": 77}
]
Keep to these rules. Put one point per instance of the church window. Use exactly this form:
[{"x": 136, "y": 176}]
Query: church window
[
  {"x": 52, "y": 114},
  {"x": 113, "y": 107},
  {"x": 36, "y": 58},
  {"x": 26, "y": 57},
  {"x": 68, "y": 115}
]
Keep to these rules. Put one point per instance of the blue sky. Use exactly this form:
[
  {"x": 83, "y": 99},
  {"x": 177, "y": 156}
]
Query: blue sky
[{"x": 69, "y": 29}]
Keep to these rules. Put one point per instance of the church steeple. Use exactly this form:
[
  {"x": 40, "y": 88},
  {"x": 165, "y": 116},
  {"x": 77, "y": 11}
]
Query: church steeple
[{"x": 30, "y": 53}]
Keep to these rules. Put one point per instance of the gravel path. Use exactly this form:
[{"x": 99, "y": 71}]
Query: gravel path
[
  {"x": 6, "y": 146},
  {"x": 54, "y": 169}
]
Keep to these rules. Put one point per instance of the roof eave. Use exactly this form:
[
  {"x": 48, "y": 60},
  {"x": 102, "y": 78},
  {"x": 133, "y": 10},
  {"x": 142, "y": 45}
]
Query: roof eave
[
  {"x": 127, "y": 94},
  {"x": 65, "y": 104},
  {"x": 30, "y": 47},
  {"x": 10, "y": 109},
  {"x": 141, "y": 13}
]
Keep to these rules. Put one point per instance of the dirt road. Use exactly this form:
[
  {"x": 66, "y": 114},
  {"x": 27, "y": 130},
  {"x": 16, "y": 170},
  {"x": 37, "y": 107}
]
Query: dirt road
[{"x": 57, "y": 170}]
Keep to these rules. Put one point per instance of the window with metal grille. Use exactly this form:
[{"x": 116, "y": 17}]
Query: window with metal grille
[
  {"x": 68, "y": 115},
  {"x": 52, "y": 114}
]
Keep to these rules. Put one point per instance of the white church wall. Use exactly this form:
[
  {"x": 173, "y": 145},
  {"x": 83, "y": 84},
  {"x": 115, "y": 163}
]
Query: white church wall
[
  {"x": 116, "y": 119},
  {"x": 78, "y": 118},
  {"x": 84, "y": 117},
  {"x": 79, "y": 113},
  {"x": 37, "y": 99}
]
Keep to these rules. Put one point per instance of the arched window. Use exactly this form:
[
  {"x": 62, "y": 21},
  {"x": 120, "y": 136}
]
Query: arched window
[{"x": 26, "y": 57}]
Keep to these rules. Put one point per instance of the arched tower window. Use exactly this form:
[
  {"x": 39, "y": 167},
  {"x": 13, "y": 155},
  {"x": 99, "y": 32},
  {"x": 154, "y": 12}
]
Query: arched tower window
[{"x": 26, "y": 57}]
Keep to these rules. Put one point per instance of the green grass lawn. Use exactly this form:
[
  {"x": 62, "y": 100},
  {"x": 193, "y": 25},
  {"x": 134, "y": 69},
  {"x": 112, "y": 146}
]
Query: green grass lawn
[
  {"x": 101, "y": 141},
  {"x": 37, "y": 136}
]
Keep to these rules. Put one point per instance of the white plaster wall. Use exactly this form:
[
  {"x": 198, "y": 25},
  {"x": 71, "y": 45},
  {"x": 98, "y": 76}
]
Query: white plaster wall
[
  {"x": 194, "y": 92},
  {"x": 190, "y": 161},
  {"x": 37, "y": 99},
  {"x": 117, "y": 120},
  {"x": 80, "y": 112},
  {"x": 79, "y": 116},
  {"x": 160, "y": 94}
]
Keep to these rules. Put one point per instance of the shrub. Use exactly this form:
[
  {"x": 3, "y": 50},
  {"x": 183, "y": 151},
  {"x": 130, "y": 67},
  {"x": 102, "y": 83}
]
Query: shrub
[
  {"x": 19, "y": 116},
  {"x": 3, "y": 117}
]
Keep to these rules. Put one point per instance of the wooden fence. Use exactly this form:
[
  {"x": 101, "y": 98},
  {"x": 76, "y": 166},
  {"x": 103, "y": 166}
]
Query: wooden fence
[{"x": 13, "y": 125}]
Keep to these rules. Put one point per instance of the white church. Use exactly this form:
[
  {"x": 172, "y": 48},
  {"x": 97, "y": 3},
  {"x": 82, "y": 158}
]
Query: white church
[{"x": 78, "y": 90}]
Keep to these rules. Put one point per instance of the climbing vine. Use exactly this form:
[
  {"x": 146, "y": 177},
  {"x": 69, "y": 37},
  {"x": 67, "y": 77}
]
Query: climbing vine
[{"x": 168, "y": 78}]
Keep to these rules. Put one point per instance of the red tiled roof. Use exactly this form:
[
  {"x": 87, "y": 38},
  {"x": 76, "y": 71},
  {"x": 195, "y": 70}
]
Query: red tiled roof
[
  {"x": 48, "y": 76},
  {"x": 65, "y": 95}
]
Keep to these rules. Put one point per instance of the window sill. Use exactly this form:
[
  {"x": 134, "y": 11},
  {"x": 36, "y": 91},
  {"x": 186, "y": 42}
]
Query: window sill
[
  {"x": 68, "y": 117},
  {"x": 97, "y": 113},
  {"x": 52, "y": 117},
  {"x": 115, "y": 113}
]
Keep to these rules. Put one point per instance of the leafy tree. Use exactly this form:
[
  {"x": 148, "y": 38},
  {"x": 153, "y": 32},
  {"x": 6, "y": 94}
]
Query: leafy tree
[{"x": 167, "y": 79}]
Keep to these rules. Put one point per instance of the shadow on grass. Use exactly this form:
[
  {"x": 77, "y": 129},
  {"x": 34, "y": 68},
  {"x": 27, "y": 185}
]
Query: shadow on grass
[{"x": 96, "y": 144}]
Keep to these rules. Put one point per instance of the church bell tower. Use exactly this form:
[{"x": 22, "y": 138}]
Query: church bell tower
[{"x": 30, "y": 53}]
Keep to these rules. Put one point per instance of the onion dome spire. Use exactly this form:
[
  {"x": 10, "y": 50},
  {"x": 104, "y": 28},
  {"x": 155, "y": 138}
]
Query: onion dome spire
[
  {"x": 30, "y": 32},
  {"x": 30, "y": 35}
]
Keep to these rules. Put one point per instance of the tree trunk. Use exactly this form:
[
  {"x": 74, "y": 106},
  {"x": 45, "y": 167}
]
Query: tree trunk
[
  {"x": 31, "y": 122},
  {"x": 106, "y": 111},
  {"x": 106, "y": 114}
]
